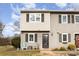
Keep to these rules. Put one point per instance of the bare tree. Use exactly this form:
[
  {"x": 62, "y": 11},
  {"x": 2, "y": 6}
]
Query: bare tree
[{"x": 1, "y": 28}]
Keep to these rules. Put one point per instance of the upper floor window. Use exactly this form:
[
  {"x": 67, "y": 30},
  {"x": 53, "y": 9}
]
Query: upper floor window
[
  {"x": 64, "y": 19},
  {"x": 77, "y": 19},
  {"x": 34, "y": 17}
]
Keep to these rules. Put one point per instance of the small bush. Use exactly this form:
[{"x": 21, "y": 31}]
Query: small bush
[
  {"x": 16, "y": 42},
  {"x": 59, "y": 49},
  {"x": 62, "y": 49},
  {"x": 71, "y": 47},
  {"x": 56, "y": 49}
]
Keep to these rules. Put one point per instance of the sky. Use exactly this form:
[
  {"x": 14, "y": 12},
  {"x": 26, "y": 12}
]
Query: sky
[{"x": 10, "y": 13}]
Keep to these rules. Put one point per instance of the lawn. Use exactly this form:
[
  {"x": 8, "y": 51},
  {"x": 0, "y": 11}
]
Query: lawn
[{"x": 11, "y": 51}]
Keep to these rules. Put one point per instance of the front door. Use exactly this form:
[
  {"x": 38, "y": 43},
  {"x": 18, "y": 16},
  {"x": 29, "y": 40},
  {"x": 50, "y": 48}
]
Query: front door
[
  {"x": 45, "y": 41},
  {"x": 77, "y": 40}
]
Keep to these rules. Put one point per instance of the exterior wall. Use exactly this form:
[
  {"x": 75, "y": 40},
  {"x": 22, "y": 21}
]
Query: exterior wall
[
  {"x": 52, "y": 24},
  {"x": 56, "y": 28},
  {"x": 26, "y": 44},
  {"x": 42, "y": 26}
]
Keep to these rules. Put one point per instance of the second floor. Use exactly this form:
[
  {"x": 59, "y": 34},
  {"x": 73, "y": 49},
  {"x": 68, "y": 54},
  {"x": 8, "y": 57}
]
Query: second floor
[{"x": 45, "y": 20}]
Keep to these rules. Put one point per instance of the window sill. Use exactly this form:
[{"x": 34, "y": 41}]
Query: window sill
[
  {"x": 64, "y": 42},
  {"x": 31, "y": 42}
]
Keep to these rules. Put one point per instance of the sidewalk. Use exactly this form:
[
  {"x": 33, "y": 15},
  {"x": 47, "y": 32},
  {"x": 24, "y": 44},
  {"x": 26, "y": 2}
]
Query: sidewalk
[
  {"x": 51, "y": 53},
  {"x": 59, "y": 53}
]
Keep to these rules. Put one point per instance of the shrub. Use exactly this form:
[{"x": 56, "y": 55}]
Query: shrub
[
  {"x": 16, "y": 42},
  {"x": 4, "y": 41},
  {"x": 71, "y": 47},
  {"x": 56, "y": 49},
  {"x": 62, "y": 49}
]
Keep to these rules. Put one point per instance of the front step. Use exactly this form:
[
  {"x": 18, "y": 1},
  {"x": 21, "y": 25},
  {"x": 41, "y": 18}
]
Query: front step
[{"x": 77, "y": 49}]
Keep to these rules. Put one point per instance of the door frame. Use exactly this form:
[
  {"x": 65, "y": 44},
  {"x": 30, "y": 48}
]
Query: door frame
[
  {"x": 48, "y": 40},
  {"x": 74, "y": 37},
  {"x": 75, "y": 40}
]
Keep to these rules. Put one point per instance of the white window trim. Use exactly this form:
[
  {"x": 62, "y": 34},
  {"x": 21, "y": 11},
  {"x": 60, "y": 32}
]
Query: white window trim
[
  {"x": 75, "y": 19},
  {"x": 67, "y": 37},
  {"x": 33, "y": 38},
  {"x": 35, "y": 18},
  {"x": 62, "y": 18}
]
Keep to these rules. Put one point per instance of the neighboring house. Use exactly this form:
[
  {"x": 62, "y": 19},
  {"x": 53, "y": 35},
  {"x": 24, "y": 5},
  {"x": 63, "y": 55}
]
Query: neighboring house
[{"x": 49, "y": 29}]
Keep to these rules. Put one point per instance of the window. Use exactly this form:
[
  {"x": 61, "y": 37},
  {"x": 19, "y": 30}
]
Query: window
[
  {"x": 77, "y": 19},
  {"x": 64, "y": 37},
  {"x": 35, "y": 17},
  {"x": 64, "y": 19},
  {"x": 32, "y": 17},
  {"x": 31, "y": 37},
  {"x": 38, "y": 17}
]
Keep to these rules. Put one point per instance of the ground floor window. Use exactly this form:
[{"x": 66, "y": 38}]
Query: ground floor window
[
  {"x": 64, "y": 37},
  {"x": 31, "y": 37}
]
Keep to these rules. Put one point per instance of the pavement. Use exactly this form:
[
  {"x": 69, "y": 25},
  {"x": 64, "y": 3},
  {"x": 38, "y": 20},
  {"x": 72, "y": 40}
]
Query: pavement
[{"x": 51, "y": 53}]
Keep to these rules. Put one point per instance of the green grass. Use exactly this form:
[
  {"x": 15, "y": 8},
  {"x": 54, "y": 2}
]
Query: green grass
[{"x": 10, "y": 51}]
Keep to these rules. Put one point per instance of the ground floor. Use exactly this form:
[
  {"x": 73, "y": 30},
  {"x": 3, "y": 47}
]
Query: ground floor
[{"x": 48, "y": 40}]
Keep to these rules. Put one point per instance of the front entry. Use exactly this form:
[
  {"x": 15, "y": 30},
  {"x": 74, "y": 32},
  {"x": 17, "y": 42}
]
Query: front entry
[
  {"x": 77, "y": 40},
  {"x": 45, "y": 41}
]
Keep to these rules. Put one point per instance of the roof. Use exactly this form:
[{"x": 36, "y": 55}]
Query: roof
[{"x": 50, "y": 11}]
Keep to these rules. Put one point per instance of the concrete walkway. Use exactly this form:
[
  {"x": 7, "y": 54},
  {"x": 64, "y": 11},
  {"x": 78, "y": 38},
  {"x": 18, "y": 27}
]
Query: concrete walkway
[
  {"x": 59, "y": 53},
  {"x": 51, "y": 53}
]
